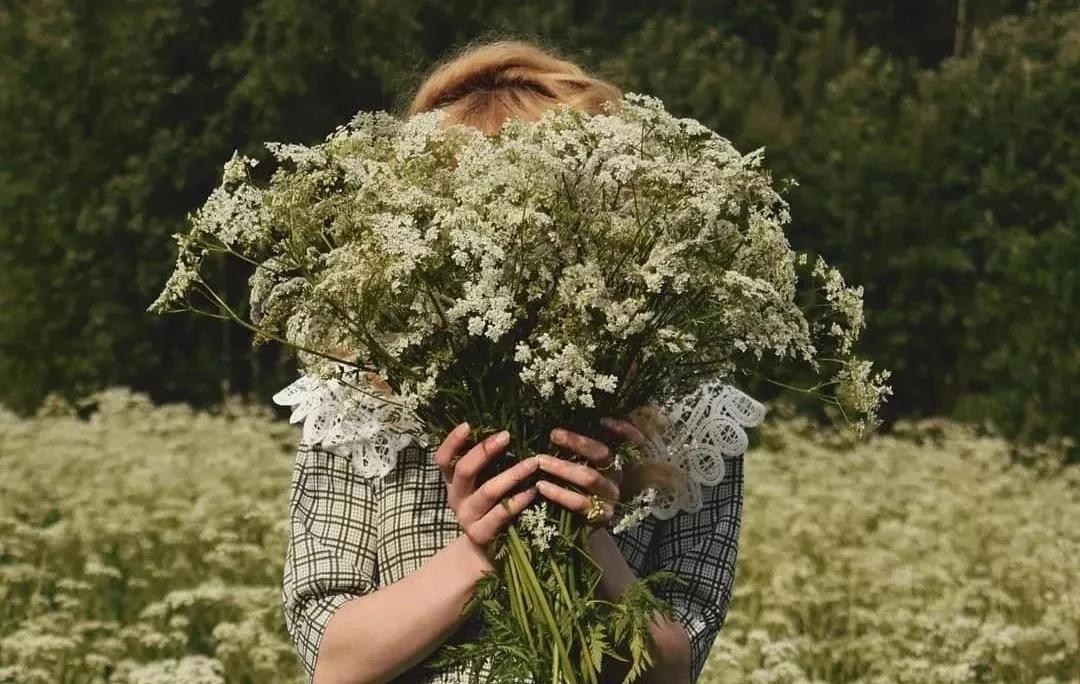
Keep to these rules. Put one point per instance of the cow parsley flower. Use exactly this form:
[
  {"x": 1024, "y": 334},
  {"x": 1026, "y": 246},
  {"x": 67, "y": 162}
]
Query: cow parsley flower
[
  {"x": 862, "y": 390},
  {"x": 847, "y": 303},
  {"x": 564, "y": 364},
  {"x": 639, "y": 508},
  {"x": 539, "y": 526},
  {"x": 538, "y": 265}
]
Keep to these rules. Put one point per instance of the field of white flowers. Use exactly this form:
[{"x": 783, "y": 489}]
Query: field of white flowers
[{"x": 144, "y": 545}]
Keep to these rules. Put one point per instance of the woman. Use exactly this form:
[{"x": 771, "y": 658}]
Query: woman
[{"x": 378, "y": 570}]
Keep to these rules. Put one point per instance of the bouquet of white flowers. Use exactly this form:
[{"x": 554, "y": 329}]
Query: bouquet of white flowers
[{"x": 556, "y": 272}]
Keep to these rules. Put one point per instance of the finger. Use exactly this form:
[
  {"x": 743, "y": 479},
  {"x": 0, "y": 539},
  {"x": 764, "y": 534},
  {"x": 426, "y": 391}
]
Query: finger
[
  {"x": 451, "y": 447},
  {"x": 489, "y": 493},
  {"x": 570, "y": 500},
  {"x": 484, "y": 530},
  {"x": 625, "y": 431},
  {"x": 474, "y": 460},
  {"x": 593, "y": 450},
  {"x": 584, "y": 476}
]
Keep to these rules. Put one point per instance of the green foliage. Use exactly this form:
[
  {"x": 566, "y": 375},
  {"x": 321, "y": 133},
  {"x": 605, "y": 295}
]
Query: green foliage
[
  {"x": 541, "y": 616},
  {"x": 956, "y": 201},
  {"x": 114, "y": 120},
  {"x": 631, "y": 624},
  {"x": 946, "y": 184}
]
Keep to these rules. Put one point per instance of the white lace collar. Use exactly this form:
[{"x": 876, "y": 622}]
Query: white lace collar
[
  {"x": 339, "y": 417},
  {"x": 693, "y": 434}
]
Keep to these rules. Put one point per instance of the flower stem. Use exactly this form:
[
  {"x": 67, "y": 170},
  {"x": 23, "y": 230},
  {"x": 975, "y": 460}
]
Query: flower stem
[
  {"x": 589, "y": 675},
  {"x": 519, "y": 556},
  {"x": 517, "y": 602}
]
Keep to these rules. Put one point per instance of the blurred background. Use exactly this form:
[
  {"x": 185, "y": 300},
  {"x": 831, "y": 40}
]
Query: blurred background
[{"x": 936, "y": 145}]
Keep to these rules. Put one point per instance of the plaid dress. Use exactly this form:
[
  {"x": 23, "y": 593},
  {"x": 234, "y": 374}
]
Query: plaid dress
[{"x": 351, "y": 535}]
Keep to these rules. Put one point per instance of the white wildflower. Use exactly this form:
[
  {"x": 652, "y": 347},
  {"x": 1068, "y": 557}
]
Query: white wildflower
[
  {"x": 627, "y": 317},
  {"x": 236, "y": 169},
  {"x": 566, "y": 365},
  {"x": 546, "y": 260},
  {"x": 304, "y": 157},
  {"x": 184, "y": 276},
  {"x": 862, "y": 390},
  {"x": 192, "y": 669},
  {"x": 640, "y": 507},
  {"x": 539, "y": 526},
  {"x": 846, "y": 301}
]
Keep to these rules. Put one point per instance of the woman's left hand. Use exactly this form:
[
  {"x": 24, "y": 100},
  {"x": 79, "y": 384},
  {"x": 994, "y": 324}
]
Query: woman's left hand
[{"x": 600, "y": 475}]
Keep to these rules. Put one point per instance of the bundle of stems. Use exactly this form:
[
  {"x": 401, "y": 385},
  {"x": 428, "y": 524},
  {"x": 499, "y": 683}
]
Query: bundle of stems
[{"x": 543, "y": 618}]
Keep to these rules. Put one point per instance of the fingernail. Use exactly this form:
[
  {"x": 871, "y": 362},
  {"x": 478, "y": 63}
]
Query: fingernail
[
  {"x": 541, "y": 459},
  {"x": 502, "y": 438},
  {"x": 463, "y": 428},
  {"x": 543, "y": 485},
  {"x": 558, "y": 434},
  {"x": 607, "y": 422}
]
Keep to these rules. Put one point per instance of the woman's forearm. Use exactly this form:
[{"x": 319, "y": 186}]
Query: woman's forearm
[
  {"x": 376, "y": 637},
  {"x": 672, "y": 657}
]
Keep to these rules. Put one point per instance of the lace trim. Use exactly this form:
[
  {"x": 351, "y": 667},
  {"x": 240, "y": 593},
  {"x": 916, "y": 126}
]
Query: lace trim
[
  {"x": 693, "y": 434},
  {"x": 341, "y": 417}
]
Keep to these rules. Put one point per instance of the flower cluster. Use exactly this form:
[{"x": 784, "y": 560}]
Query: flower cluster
[
  {"x": 562, "y": 252},
  {"x": 846, "y": 302},
  {"x": 558, "y": 271},
  {"x": 143, "y": 544},
  {"x": 636, "y": 511},
  {"x": 947, "y": 573},
  {"x": 562, "y": 363},
  {"x": 923, "y": 582},
  {"x": 863, "y": 390},
  {"x": 539, "y": 526}
]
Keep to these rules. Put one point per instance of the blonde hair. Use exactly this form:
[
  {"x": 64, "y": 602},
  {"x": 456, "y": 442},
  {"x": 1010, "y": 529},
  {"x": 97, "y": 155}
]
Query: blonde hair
[{"x": 488, "y": 84}]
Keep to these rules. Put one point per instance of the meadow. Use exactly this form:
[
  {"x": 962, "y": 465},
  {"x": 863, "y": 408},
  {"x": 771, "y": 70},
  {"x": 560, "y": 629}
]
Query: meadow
[{"x": 143, "y": 545}]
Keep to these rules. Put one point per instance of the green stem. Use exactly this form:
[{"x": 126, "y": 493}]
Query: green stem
[
  {"x": 590, "y": 676},
  {"x": 555, "y": 661},
  {"x": 518, "y": 604},
  {"x": 564, "y": 524},
  {"x": 231, "y": 315},
  {"x": 532, "y": 582}
]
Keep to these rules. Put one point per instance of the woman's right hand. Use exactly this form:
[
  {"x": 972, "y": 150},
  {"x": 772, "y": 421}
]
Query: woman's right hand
[
  {"x": 481, "y": 511},
  {"x": 381, "y": 634}
]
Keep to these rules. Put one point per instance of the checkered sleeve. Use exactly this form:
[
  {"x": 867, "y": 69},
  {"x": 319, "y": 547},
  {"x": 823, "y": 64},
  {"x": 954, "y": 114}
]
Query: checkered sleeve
[
  {"x": 701, "y": 548},
  {"x": 331, "y": 555}
]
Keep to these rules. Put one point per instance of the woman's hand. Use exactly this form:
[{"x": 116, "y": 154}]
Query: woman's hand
[
  {"x": 600, "y": 475},
  {"x": 482, "y": 511},
  {"x": 384, "y": 633},
  {"x": 672, "y": 660}
]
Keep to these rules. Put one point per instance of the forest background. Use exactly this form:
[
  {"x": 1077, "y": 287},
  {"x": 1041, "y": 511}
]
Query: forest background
[{"x": 935, "y": 145}]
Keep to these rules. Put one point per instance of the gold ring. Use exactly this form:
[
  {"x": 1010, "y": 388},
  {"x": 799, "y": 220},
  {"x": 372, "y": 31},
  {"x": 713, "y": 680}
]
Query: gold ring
[{"x": 596, "y": 509}]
